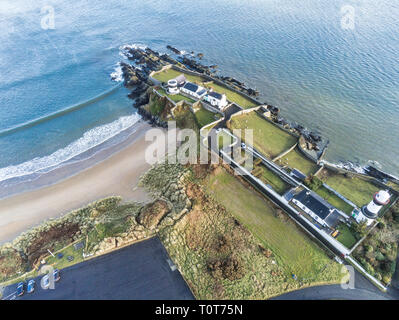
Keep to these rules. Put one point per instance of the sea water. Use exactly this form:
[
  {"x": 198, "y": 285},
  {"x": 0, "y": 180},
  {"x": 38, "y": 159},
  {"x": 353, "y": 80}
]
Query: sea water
[{"x": 57, "y": 98}]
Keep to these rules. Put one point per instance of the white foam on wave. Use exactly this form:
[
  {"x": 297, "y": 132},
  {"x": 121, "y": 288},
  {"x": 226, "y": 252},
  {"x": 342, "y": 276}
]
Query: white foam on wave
[
  {"x": 123, "y": 50},
  {"x": 117, "y": 75},
  {"x": 90, "y": 139},
  {"x": 346, "y": 165}
]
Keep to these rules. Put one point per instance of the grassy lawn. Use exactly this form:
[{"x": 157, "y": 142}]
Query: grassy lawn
[
  {"x": 291, "y": 248},
  {"x": 63, "y": 262},
  {"x": 166, "y": 75},
  {"x": 346, "y": 237},
  {"x": 268, "y": 138},
  {"x": 269, "y": 177},
  {"x": 334, "y": 200},
  {"x": 175, "y": 97},
  {"x": 357, "y": 190},
  {"x": 205, "y": 117},
  {"x": 224, "y": 139},
  {"x": 295, "y": 159},
  {"x": 394, "y": 186},
  {"x": 232, "y": 96}
]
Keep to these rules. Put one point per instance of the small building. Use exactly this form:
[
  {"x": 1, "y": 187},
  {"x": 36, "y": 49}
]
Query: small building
[
  {"x": 216, "y": 99},
  {"x": 316, "y": 207},
  {"x": 193, "y": 90},
  {"x": 172, "y": 87},
  {"x": 181, "y": 80}
]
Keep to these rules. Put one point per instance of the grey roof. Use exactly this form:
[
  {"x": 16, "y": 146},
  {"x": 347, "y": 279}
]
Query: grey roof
[
  {"x": 215, "y": 95},
  {"x": 201, "y": 92},
  {"x": 315, "y": 203},
  {"x": 180, "y": 79},
  {"x": 191, "y": 86},
  {"x": 333, "y": 219},
  {"x": 298, "y": 174}
]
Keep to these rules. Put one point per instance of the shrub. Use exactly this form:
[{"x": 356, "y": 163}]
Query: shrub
[{"x": 379, "y": 256}]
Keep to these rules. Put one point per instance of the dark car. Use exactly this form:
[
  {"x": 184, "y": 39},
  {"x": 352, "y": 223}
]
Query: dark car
[
  {"x": 56, "y": 275},
  {"x": 20, "y": 289},
  {"x": 31, "y": 286}
]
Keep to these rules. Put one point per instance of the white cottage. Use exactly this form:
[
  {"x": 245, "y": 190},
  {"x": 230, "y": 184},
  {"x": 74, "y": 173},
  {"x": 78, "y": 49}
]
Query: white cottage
[
  {"x": 216, "y": 99},
  {"x": 193, "y": 90}
]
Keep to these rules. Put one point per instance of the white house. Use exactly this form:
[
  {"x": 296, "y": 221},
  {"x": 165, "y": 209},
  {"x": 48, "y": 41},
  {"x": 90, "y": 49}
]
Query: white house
[
  {"x": 193, "y": 90},
  {"x": 216, "y": 99},
  {"x": 316, "y": 207}
]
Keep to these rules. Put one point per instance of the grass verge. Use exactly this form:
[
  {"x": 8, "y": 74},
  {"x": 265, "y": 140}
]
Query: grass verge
[{"x": 267, "y": 138}]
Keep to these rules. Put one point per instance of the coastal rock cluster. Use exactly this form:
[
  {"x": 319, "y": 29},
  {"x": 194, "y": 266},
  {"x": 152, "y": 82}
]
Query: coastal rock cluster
[
  {"x": 166, "y": 184},
  {"x": 144, "y": 61}
]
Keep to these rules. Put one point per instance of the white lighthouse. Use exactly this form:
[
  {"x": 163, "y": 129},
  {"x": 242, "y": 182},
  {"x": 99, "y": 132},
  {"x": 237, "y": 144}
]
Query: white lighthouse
[{"x": 370, "y": 212}]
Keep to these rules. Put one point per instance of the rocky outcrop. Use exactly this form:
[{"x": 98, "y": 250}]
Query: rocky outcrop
[
  {"x": 152, "y": 214},
  {"x": 173, "y": 49}
]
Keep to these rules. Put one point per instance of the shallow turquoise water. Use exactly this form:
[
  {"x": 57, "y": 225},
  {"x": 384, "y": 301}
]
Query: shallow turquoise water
[{"x": 343, "y": 83}]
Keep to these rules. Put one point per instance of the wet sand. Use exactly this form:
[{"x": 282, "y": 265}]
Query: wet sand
[{"x": 117, "y": 173}]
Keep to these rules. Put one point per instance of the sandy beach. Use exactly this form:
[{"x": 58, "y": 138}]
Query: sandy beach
[{"x": 117, "y": 174}]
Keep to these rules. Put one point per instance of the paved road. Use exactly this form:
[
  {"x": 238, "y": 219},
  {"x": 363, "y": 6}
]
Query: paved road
[
  {"x": 140, "y": 271},
  {"x": 364, "y": 290}
]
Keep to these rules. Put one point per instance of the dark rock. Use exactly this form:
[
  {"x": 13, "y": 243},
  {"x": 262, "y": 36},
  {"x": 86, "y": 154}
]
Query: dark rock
[{"x": 173, "y": 49}]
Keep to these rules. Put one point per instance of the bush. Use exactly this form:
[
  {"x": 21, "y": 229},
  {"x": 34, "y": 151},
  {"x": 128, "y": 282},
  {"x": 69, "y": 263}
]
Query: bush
[
  {"x": 386, "y": 279},
  {"x": 379, "y": 256},
  {"x": 313, "y": 182}
]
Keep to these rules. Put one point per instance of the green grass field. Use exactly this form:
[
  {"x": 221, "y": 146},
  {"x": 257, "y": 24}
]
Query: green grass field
[
  {"x": 166, "y": 75},
  {"x": 205, "y": 117},
  {"x": 63, "y": 262},
  {"x": 357, "y": 190},
  {"x": 291, "y": 247},
  {"x": 232, "y": 96},
  {"x": 295, "y": 159},
  {"x": 175, "y": 97},
  {"x": 269, "y": 177},
  {"x": 268, "y": 138},
  {"x": 346, "y": 237},
  {"x": 334, "y": 200}
]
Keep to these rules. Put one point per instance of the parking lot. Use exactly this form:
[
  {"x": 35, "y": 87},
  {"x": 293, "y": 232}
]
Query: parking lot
[{"x": 140, "y": 271}]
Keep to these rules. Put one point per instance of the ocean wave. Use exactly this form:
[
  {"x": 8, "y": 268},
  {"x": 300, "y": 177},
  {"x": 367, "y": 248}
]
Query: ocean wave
[
  {"x": 57, "y": 114},
  {"x": 117, "y": 75},
  {"x": 89, "y": 140}
]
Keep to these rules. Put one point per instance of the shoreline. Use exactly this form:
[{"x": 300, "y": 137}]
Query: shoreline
[{"x": 114, "y": 171}]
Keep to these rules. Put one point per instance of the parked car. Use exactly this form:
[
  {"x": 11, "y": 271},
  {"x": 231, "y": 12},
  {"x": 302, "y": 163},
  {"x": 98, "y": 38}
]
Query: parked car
[
  {"x": 243, "y": 145},
  {"x": 45, "y": 281},
  {"x": 46, "y": 278},
  {"x": 56, "y": 275},
  {"x": 31, "y": 286},
  {"x": 20, "y": 289}
]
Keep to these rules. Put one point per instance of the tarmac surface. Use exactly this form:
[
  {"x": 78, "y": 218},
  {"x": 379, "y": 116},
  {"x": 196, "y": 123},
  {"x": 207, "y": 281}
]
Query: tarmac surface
[
  {"x": 362, "y": 289},
  {"x": 137, "y": 272}
]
